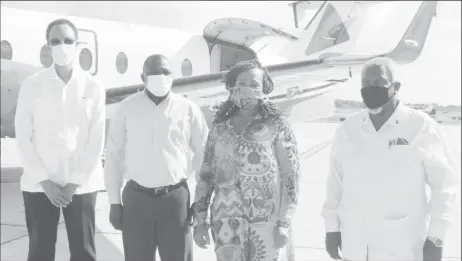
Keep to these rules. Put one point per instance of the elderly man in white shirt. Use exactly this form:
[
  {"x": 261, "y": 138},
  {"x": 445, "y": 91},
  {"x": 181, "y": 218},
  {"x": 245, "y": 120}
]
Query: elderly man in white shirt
[
  {"x": 152, "y": 139},
  {"x": 60, "y": 123},
  {"x": 382, "y": 159}
]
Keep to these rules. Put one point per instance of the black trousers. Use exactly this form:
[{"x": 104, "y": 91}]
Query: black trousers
[
  {"x": 42, "y": 220},
  {"x": 150, "y": 222}
]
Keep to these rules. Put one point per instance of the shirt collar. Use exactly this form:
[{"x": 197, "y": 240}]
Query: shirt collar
[
  {"x": 397, "y": 117},
  {"x": 167, "y": 99}
]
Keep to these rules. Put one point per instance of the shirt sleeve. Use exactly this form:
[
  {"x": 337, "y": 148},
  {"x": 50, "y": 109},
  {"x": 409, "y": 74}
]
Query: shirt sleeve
[
  {"x": 289, "y": 168},
  {"x": 205, "y": 182},
  {"x": 93, "y": 151},
  {"x": 334, "y": 185},
  {"x": 199, "y": 132},
  {"x": 440, "y": 172},
  {"x": 114, "y": 166},
  {"x": 24, "y": 128}
]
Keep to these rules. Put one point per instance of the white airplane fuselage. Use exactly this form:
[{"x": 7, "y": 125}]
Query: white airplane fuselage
[{"x": 114, "y": 53}]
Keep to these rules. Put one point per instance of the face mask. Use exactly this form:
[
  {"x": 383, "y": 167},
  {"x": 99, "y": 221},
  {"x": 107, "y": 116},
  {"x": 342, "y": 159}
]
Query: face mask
[
  {"x": 63, "y": 54},
  {"x": 246, "y": 98},
  {"x": 159, "y": 85},
  {"x": 376, "y": 97}
]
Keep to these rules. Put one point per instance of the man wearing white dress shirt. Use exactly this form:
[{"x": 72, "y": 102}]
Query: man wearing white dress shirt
[
  {"x": 382, "y": 159},
  {"x": 152, "y": 139},
  {"x": 60, "y": 123}
]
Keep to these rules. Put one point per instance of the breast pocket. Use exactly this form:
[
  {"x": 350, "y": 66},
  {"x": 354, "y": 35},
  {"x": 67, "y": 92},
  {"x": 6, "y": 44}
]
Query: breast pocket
[
  {"x": 403, "y": 167},
  {"x": 80, "y": 114}
]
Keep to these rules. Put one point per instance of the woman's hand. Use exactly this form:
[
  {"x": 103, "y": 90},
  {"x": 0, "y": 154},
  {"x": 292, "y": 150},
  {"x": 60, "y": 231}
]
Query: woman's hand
[
  {"x": 280, "y": 236},
  {"x": 201, "y": 235}
]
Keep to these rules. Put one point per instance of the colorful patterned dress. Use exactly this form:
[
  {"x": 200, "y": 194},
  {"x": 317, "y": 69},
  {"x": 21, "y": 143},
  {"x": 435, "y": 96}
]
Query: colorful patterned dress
[{"x": 254, "y": 178}]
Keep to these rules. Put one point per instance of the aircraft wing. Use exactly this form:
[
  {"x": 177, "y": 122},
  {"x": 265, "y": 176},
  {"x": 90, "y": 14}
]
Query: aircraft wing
[{"x": 326, "y": 71}]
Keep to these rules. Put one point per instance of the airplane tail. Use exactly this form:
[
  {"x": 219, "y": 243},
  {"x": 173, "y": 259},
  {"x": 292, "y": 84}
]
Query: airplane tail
[
  {"x": 408, "y": 48},
  {"x": 335, "y": 27},
  {"x": 413, "y": 40}
]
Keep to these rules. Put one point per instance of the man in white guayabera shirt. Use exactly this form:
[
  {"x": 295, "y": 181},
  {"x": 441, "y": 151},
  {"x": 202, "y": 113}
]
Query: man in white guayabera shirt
[
  {"x": 60, "y": 124},
  {"x": 153, "y": 139},
  {"x": 382, "y": 159}
]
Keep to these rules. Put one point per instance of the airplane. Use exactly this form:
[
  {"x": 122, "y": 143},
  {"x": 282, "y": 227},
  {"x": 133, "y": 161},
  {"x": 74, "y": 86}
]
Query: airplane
[{"x": 305, "y": 66}]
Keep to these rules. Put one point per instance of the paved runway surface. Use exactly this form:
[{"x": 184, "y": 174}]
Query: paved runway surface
[{"x": 314, "y": 140}]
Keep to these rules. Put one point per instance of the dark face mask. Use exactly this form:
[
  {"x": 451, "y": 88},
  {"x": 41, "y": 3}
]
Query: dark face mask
[{"x": 375, "y": 97}]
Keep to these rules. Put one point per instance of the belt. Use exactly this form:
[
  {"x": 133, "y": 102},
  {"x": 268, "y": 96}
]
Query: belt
[{"x": 159, "y": 191}]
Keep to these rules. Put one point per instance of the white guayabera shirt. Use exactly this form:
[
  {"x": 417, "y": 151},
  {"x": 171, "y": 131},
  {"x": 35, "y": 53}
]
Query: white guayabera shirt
[
  {"x": 376, "y": 189},
  {"x": 60, "y": 130}
]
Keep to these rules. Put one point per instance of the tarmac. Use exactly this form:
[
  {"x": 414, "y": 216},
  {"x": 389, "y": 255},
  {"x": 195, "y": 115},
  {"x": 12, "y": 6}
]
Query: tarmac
[{"x": 308, "y": 231}]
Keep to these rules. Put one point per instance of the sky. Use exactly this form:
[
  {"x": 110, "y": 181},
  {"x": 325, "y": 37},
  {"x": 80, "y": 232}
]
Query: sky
[
  {"x": 435, "y": 77},
  {"x": 190, "y": 16}
]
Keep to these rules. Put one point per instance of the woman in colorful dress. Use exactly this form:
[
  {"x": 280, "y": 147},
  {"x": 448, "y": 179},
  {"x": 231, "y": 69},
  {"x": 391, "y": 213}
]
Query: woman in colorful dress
[{"x": 251, "y": 165}]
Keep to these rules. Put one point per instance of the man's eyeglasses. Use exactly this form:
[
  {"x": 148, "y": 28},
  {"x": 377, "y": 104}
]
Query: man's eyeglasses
[
  {"x": 162, "y": 71},
  {"x": 68, "y": 41}
]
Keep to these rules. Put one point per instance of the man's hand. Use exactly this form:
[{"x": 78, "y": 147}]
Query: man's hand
[
  {"x": 115, "y": 216},
  {"x": 280, "y": 236},
  {"x": 201, "y": 236},
  {"x": 68, "y": 191},
  {"x": 432, "y": 252},
  {"x": 53, "y": 193},
  {"x": 333, "y": 244}
]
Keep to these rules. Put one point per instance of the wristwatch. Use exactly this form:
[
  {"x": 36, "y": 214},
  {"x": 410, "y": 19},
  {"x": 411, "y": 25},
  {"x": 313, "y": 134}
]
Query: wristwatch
[{"x": 436, "y": 241}]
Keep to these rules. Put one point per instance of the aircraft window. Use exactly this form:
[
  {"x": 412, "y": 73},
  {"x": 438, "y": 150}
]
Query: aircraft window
[
  {"x": 7, "y": 50},
  {"x": 46, "y": 59},
  {"x": 121, "y": 62},
  {"x": 85, "y": 59},
  {"x": 331, "y": 31},
  {"x": 186, "y": 67}
]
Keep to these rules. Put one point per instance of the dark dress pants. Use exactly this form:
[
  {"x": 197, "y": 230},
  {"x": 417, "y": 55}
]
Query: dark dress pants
[
  {"x": 150, "y": 222},
  {"x": 42, "y": 220}
]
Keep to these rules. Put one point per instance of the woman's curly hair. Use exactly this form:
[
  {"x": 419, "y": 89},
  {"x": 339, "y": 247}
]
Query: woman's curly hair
[{"x": 227, "y": 109}]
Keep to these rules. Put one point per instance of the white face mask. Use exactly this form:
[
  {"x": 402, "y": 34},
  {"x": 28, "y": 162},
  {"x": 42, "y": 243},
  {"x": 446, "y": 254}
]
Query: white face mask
[
  {"x": 64, "y": 54},
  {"x": 159, "y": 85}
]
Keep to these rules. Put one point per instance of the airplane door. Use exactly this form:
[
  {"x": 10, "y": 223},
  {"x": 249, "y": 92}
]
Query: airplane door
[{"x": 88, "y": 51}]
